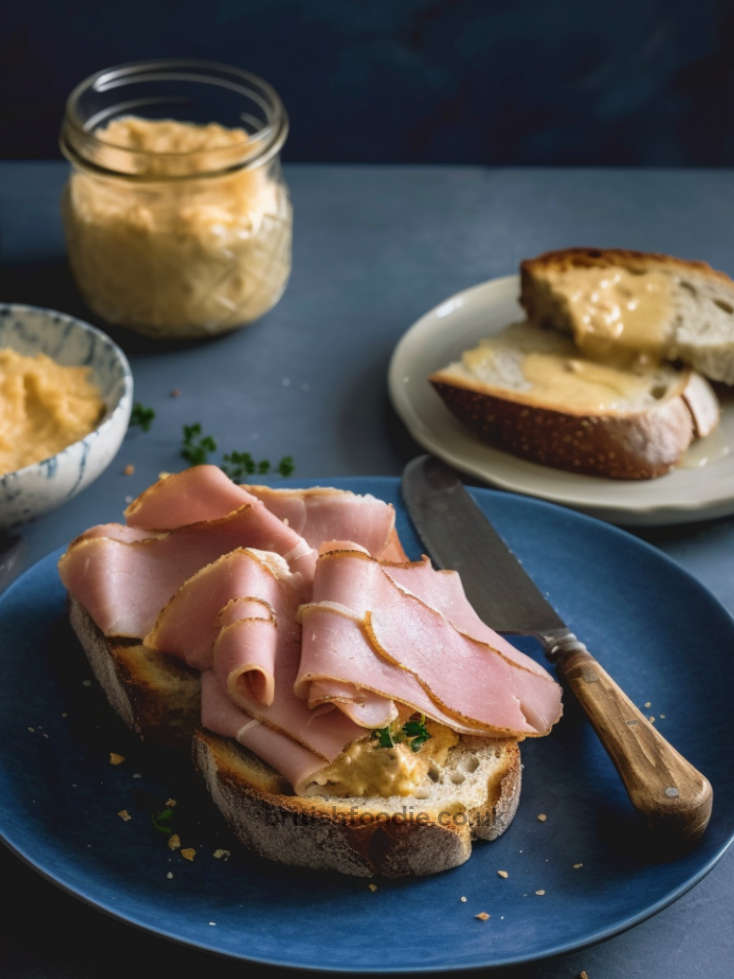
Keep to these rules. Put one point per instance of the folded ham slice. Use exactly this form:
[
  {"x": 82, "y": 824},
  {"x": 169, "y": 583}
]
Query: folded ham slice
[
  {"x": 322, "y": 513},
  {"x": 244, "y": 583},
  {"x": 285, "y": 755},
  {"x": 364, "y": 629},
  {"x": 124, "y": 584},
  {"x": 191, "y": 496}
]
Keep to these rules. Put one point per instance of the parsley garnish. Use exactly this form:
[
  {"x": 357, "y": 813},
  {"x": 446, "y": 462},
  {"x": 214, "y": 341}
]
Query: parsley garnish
[
  {"x": 196, "y": 447},
  {"x": 237, "y": 465},
  {"x": 384, "y": 737},
  {"x": 413, "y": 731},
  {"x": 162, "y": 821},
  {"x": 417, "y": 733},
  {"x": 142, "y": 416}
]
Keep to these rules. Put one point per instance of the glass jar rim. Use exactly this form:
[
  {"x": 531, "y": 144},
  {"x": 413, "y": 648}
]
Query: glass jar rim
[{"x": 263, "y": 144}]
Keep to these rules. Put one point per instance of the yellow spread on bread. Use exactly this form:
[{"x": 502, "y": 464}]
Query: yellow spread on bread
[
  {"x": 562, "y": 376},
  {"x": 616, "y": 313},
  {"x": 366, "y": 769}
]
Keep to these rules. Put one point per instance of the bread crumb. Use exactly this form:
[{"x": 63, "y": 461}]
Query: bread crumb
[
  {"x": 174, "y": 842},
  {"x": 503, "y": 874},
  {"x": 188, "y": 853},
  {"x": 220, "y": 854},
  {"x": 577, "y": 866},
  {"x": 175, "y": 393},
  {"x": 651, "y": 718},
  {"x": 86, "y": 683},
  {"x": 170, "y": 803},
  {"x": 116, "y": 759},
  {"x": 542, "y": 817},
  {"x": 212, "y": 924},
  {"x": 129, "y": 469},
  {"x": 137, "y": 775},
  {"x": 372, "y": 887},
  {"x": 483, "y": 916},
  {"x": 65, "y": 714},
  {"x": 124, "y": 815},
  {"x": 32, "y": 730},
  {"x": 540, "y": 892},
  {"x": 583, "y": 974},
  {"x": 662, "y": 717},
  {"x": 169, "y": 875},
  {"x": 463, "y": 899},
  {"x": 648, "y": 704}
]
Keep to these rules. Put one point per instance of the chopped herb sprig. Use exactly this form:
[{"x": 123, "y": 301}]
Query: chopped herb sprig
[
  {"x": 196, "y": 447},
  {"x": 414, "y": 731},
  {"x": 162, "y": 821},
  {"x": 142, "y": 416}
]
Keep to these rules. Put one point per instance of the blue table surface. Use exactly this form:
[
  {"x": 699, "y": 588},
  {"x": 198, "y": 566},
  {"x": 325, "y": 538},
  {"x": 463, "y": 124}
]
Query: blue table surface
[{"x": 374, "y": 247}]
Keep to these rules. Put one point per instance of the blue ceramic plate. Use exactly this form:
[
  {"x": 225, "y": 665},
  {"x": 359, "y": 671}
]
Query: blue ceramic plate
[{"x": 656, "y": 629}]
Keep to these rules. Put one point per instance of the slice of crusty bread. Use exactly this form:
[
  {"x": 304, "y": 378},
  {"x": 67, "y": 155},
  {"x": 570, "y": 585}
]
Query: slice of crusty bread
[
  {"x": 700, "y": 331},
  {"x": 474, "y": 795},
  {"x": 638, "y": 437}
]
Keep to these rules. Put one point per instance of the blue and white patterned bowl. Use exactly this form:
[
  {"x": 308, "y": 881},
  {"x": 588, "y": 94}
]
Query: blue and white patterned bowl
[{"x": 35, "y": 489}]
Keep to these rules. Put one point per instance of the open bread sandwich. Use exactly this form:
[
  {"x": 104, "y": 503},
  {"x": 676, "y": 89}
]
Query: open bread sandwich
[
  {"x": 609, "y": 372},
  {"x": 346, "y": 707}
]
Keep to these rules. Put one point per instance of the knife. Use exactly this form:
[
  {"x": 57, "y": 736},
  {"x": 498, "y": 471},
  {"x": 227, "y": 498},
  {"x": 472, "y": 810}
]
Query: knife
[{"x": 672, "y": 795}]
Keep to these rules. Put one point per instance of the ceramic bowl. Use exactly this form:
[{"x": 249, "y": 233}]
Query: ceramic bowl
[{"x": 44, "y": 485}]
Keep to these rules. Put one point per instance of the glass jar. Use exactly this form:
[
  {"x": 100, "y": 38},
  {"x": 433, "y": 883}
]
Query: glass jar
[{"x": 177, "y": 217}]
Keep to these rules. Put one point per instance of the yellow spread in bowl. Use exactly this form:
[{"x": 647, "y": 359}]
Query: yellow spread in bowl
[{"x": 43, "y": 408}]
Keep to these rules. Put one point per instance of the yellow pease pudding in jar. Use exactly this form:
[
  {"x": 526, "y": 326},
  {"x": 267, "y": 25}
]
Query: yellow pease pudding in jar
[
  {"x": 43, "y": 408},
  {"x": 177, "y": 227}
]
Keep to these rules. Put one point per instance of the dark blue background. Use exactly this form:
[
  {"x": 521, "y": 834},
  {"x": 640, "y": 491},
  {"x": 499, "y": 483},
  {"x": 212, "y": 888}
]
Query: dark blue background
[{"x": 463, "y": 81}]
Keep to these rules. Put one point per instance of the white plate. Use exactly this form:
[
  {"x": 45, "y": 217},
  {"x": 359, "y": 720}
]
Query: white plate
[{"x": 702, "y": 487}]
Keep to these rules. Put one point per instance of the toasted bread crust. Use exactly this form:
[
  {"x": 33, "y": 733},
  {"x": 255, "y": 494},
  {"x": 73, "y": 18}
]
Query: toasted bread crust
[
  {"x": 565, "y": 258},
  {"x": 328, "y": 835},
  {"x": 638, "y": 445},
  {"x": 156, "y": 696}
]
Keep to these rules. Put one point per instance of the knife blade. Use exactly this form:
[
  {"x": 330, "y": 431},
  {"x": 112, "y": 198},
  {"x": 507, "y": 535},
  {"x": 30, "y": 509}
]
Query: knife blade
[
  {"x": 459, "y": 536},
  {"x": 673, "y": 796}
]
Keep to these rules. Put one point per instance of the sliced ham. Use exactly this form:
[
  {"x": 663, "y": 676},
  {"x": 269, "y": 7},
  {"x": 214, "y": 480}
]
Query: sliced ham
[
  {"x": 444, "y": 591},
  {"x": 191, "y": 496},
  {"x": 124, "y": 584},
  {"x": 190, "y": 622},
  {"x": 285, "y": 755},
  {"x": 323, "y": 730},
  {"x": 321, "y": 513},
  {"x": 363, "y": 628},
  {"x": 364, "y": 707}
]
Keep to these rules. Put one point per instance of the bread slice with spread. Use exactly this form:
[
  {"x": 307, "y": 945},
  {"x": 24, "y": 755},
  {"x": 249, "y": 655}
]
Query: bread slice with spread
[
  {"x": 606, "y": 376},
  {"x": 348, "y": 710},
  {"x": 531, "y": 392},
  {"x": 616, "y": 302}
]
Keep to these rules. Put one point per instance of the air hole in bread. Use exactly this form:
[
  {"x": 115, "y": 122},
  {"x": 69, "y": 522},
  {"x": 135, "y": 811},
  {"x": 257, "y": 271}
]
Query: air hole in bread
[
  {"x": 688, "y": 287},
  {"x": 725, "y": 306},
  {"x": 471, "y": 764},
  {"x": 659, "y": 391},
  {"x": 422, "y": 794},
  {"x": 434, "y": 774},
  {"x": 457, "y": 778}
]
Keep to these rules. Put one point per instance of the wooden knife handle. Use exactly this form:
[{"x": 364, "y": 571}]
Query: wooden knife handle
[{"x": 672, "y": 795}]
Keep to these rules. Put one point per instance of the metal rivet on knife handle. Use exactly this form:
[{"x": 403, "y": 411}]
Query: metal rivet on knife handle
[{"x": 672, "y": 795}]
